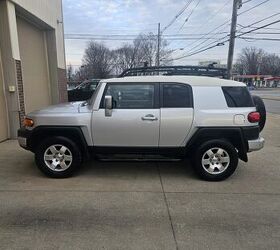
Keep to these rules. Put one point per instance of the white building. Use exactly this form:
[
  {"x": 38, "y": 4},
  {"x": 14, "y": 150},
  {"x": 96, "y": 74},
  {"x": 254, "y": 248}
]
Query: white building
[
  {"x": 32, "y": 60},
  {"x": 215, "y": 63}
]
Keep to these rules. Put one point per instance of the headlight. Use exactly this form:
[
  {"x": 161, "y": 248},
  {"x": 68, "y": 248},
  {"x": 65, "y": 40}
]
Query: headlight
[{"x": 27, "y": 122}]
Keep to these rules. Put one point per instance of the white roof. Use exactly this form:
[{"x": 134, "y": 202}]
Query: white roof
[{"x": 191, "y": 80}]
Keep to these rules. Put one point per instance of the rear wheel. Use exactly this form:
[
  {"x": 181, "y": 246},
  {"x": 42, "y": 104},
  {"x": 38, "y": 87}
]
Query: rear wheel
[
  {"x": 215, "y": 160},
  {"x": 58, "y": 157}
]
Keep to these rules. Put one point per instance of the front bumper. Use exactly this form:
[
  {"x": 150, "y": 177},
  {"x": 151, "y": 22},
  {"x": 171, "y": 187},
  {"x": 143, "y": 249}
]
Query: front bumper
[
  {"x": 257, "y": 144},
  {"x": 24, "y": 136}
]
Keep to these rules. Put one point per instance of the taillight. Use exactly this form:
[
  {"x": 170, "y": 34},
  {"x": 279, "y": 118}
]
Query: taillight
[{"x": 254, "y": 117}]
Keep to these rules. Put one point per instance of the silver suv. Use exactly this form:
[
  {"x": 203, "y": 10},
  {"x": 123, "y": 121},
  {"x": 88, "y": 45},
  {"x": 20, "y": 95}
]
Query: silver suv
[{"x": 214, "y": 121}]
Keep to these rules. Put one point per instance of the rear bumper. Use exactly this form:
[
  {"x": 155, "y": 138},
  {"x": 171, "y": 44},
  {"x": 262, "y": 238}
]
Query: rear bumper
[{"x": 257, "y": 144}]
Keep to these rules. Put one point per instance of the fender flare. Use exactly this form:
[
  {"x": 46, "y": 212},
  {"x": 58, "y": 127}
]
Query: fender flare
[
  {"x": 232, "y": 134},
  {"x": 73, "y": 133}
]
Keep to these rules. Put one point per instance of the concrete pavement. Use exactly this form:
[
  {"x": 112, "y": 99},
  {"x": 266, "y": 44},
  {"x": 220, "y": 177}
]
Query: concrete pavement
[{"x": 134, "y": 205}]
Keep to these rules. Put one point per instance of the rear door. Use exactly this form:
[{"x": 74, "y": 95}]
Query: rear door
[
  {"x": 176, "y": 112},
  {"x": 135, "y": 116}
]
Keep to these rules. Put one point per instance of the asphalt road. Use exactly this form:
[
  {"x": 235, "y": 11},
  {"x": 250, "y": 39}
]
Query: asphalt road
[
  {"x": 271, "y": 98},
  {"x": 272, "y": 106},
  {"x": 136, "y": 205}
]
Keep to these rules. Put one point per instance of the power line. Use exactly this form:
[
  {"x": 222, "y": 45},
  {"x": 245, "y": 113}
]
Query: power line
[
  {"x": 253, "y": 7},
  {"x": 129, "y": 39},
  {"x": 221, "y": 43},
  {"x": 250, "y": 25},
  {"x": 260, "y": 38},
  {"x": 258, "y": 28},
  {"x": 247, "y": 1},
  {"x": 205, "y": 39},
  {"x": 177, "y": 15},
  {"x": 259, "y": 21},
  {"x": 221, "y": 25},
  {"x": 188, "y": 17},
  {"x": 135, "y": 35},
  {"x": 209, "y": 20}
]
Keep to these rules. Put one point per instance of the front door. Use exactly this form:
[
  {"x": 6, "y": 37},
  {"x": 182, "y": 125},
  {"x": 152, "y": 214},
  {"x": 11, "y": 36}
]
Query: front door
[{"x": 135, "y": 117}]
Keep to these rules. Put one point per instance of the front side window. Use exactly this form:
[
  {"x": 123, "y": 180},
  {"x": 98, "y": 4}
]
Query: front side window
[
  {"x": 176, "y": 96},
  {"x": 132, "y": 96}
]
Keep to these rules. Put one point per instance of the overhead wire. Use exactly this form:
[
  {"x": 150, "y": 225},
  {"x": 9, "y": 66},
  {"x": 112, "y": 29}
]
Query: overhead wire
[
  {"x": 188, "y": 17},
  {"x": 209, "y": 20},
  {"x": 177, "y": 15},
  {"x": 214, "y": 34},
  {"x": 255, "y": 6},
  {"x": 215, "y": 45}
]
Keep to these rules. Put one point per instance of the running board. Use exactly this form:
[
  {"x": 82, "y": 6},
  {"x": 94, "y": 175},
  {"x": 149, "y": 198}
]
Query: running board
[{"x": 139, "y": 158}]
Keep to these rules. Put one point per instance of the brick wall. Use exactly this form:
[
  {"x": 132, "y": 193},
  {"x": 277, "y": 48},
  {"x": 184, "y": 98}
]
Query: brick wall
[
  {"x": 20, "y": 90},
  {"x": 62, "y": 85}
]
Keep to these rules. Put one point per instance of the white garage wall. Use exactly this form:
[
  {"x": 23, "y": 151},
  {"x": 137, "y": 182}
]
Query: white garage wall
[{"x": 50, "y": 12}]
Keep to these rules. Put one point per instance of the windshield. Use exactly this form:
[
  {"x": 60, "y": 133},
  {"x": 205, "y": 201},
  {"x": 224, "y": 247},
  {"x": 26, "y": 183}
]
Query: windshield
[
  {"x": 88, "y": 85},
  {"x": 91, "y": 100}
]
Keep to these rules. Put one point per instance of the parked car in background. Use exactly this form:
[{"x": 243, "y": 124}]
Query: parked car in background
[
  {"x": 251, "y": 87},
  {"x": 83, "y": 91}
]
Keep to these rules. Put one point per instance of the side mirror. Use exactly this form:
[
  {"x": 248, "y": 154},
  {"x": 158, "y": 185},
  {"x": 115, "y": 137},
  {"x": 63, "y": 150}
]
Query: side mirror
[{"x": 108, "y": 105}]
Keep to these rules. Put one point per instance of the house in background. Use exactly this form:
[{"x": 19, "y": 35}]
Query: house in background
[{"x": 32, "y": 60}]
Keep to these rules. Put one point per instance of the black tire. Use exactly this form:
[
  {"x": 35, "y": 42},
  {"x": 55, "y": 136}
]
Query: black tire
[
  {"x": 75, "y": 155},
  {"x": 261, "y": 109},
  {"x": 201, "y": 152}
]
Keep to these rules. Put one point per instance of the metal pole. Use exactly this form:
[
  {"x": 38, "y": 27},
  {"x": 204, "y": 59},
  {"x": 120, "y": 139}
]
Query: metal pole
[
  {"x": 158, "y": 45},
  {"x": 235, "y": 7}
]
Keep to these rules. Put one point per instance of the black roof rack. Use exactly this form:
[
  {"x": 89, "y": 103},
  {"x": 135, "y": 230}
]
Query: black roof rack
[{"x": 176, "y": 70}]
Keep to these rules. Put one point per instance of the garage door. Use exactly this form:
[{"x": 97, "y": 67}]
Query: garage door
[
  {"x": 33, "y": 56},
  {"x": 3, "y": 108}
]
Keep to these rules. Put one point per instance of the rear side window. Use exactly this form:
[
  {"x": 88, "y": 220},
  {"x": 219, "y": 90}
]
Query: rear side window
[
  {"x": 176, "y": 96},
  {"x": 238, "y": 97}
]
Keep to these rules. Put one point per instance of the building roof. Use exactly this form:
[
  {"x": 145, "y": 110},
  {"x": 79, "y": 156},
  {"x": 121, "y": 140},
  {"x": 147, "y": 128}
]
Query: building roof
[
  {"x": 272, "y": 78},
  {"x": 191, "y": 80},
  {"x": 251, "y": 76}
]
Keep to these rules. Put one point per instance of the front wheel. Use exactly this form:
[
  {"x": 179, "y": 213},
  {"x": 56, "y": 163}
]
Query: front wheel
[
  {"x": 215, "y": 160},
  {"x": 58, "y": 157}
]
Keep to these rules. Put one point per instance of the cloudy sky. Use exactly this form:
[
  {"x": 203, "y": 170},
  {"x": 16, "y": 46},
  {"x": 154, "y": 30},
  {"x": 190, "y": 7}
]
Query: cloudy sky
[{"x": 100, "y": 19}]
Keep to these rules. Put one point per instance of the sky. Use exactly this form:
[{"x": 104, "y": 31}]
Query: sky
[{"x": 131, "y": 17}]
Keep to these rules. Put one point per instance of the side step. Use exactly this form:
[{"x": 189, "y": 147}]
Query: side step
[{"x": 134, "y": 157}]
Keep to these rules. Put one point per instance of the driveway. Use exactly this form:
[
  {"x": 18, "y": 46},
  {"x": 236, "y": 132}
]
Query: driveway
[{"x": 141, "y": 205}]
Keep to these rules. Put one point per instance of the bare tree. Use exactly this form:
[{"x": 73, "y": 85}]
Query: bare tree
[
  {"x": 101, "y": 62},
  {"x": 98, "y": 61},
  {"x": 147, "y": 49},
  {"x": 143, "y": 49},
  {"x": 70, "y": 72},
  {"x": 253, "y": 61},
  {"x": 270, "y": 65},
  {"x": 249, "y": 61},
  {"x": 125, "y": 58}
]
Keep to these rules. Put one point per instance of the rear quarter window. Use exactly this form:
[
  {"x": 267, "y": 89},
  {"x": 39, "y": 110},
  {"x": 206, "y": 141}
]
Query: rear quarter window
[{"x": 238, "y": 97}]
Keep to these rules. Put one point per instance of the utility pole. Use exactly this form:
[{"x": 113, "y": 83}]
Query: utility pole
[
  {"x": 236, "y": 5},
  {"x": 158, "y": 45}
]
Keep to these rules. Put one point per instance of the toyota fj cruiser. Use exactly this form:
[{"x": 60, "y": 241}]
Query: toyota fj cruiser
[{"x": 213, "y": 121}]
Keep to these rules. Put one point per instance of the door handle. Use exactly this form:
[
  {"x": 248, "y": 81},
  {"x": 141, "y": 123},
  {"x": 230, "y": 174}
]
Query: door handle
[{"x": 149, "y": 117}]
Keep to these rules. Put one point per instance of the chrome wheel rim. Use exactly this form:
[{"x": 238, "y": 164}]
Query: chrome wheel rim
[
  {"x": 58, "y": 157},
  {"x": 215, "y": 160}
]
